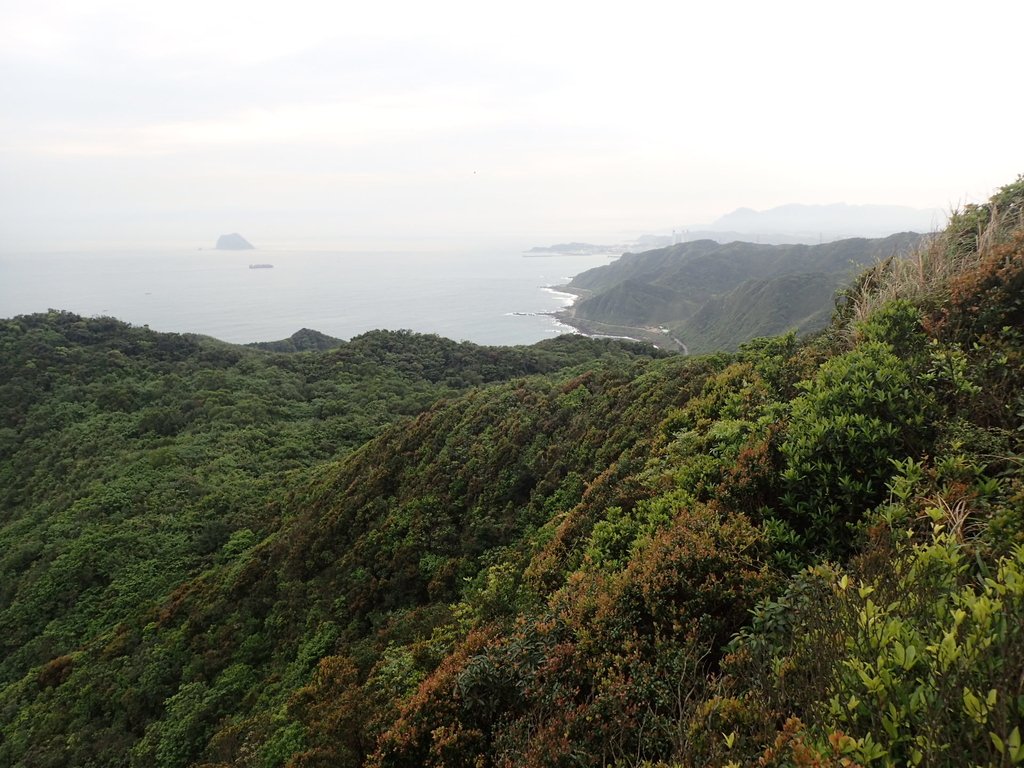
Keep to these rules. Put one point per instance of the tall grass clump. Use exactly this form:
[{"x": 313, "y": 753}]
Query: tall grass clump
[{"x": 925, "y": 275}]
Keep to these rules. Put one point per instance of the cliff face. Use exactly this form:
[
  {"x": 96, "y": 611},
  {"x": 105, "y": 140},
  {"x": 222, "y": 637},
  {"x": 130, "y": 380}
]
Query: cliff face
[{"x": 233, "y": 242}]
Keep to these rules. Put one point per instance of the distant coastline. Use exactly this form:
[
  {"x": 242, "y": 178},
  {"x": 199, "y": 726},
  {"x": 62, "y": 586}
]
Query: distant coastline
[
  {"x": 575, "y": 249},
  {"x": 557, "y": 254},
  {"x": 489, "y": 296}
]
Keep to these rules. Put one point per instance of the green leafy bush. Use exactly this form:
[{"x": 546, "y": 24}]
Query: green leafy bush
[
  {"x": 861, "y": 411},
  {"x": 917, "y": 665}
]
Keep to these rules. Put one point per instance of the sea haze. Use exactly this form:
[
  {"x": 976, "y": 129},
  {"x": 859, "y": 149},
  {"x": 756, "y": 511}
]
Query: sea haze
[{"x": 488, "y": 297}]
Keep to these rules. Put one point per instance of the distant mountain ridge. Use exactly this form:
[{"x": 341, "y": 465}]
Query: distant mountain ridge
[
  {"x": 830, "y": 221},
  {"x": 703, "y": 295},
  {"x": 793, "y": 223}
]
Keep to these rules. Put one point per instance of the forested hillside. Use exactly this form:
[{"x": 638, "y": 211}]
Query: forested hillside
[
  {"x": 132, "y": 460},
  {"x": 714, "y": 297},
  {"x": 806, "y": 552}
]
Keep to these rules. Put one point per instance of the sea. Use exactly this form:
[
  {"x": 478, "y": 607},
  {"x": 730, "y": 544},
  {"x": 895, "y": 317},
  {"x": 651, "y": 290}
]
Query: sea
[{"x": 498, "y": 297}]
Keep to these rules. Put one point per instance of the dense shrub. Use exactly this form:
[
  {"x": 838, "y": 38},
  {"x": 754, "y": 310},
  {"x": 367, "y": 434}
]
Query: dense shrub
[
  {"x": 860, "y": 412},
  {"x": 916, "y": 664}
]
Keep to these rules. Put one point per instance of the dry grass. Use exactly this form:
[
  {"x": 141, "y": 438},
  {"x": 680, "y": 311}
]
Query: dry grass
[
  {"x": 959, "y": 519},
  {"x": 924, "y": 275}
]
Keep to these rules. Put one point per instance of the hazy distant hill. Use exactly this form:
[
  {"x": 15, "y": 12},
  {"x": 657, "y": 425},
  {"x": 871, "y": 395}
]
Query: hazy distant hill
[
  {"x": 811, "y": 222},
  {"x": 715, "y": 296},
  {"x": 797, "y": 223},
  {"x": 767, "y": 238}
]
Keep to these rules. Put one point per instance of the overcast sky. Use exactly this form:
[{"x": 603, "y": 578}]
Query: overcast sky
[{"x": 347, "y": 123}]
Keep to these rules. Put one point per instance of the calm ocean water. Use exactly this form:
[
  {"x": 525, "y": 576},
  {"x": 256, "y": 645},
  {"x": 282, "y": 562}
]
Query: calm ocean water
[{"x": 485, "y": 297}]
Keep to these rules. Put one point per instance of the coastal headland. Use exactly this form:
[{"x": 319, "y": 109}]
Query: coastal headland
[{"x": 660, "y": 337}]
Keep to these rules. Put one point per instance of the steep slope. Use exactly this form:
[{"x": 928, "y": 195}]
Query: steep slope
[
  {"x": 872, "y": 481},
  {"x": 804, "y": 553},
  {"x": 131, "y": 460},
  {"x": 372, "y": 553},
  {"x": 801, "y": 302}
]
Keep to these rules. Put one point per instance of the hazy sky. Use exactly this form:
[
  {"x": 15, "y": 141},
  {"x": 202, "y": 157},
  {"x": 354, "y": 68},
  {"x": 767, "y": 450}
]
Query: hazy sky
[{"x": 346, "y": 123}]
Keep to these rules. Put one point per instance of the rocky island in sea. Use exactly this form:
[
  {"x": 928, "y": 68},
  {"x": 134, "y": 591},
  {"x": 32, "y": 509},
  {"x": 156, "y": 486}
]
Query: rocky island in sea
[{"x": 233, "y": 242}]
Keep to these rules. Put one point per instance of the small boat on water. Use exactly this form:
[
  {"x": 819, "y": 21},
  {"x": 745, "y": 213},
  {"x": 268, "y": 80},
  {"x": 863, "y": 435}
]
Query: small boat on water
[{"x": 261, "y": 266}]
